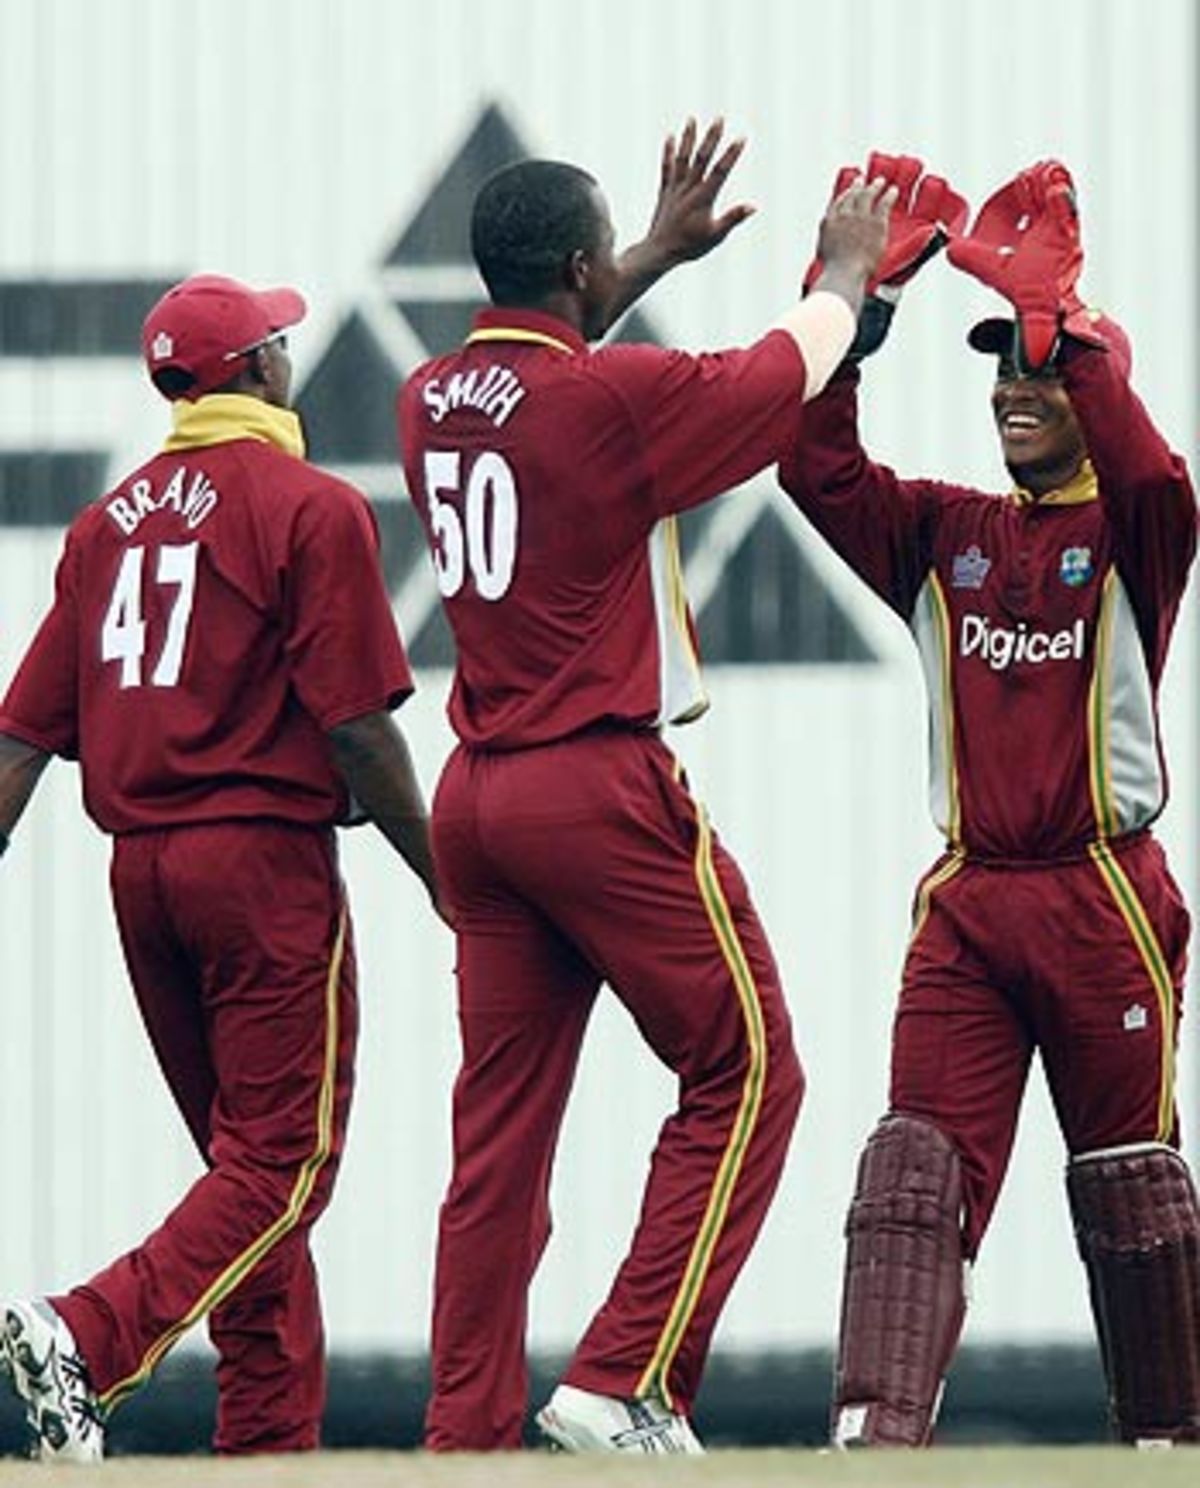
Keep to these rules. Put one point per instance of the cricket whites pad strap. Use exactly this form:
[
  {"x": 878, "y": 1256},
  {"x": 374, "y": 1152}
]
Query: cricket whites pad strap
[
  {"x": 1138, "y": 1230},
  {"x": 903, "y": 1295}
]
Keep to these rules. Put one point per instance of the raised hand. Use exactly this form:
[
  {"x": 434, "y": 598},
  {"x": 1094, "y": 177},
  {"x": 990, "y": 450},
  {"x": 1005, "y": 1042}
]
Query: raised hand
[
  {"x": 685, "y": 224},
  {"x": 850, "y": 243},
  {"x": 926, "y": 213},
  {"x": 854, "y": 231},
  {"x": 1025, "y": 243}
]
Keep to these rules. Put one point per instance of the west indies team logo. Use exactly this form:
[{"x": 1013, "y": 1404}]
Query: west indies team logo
[{"x": 1075, "y": 567}]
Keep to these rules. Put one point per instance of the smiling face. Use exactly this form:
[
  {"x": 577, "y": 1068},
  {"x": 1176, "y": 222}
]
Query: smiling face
[{"x": 1042, "y": 442}]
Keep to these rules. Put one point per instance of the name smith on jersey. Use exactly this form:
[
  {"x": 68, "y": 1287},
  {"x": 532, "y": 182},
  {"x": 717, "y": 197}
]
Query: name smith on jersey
[{"x": 493, "y": 391}]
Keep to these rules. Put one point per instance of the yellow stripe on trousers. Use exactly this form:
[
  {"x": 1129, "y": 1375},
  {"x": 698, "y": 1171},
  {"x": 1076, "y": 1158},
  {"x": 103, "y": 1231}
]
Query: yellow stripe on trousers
[
  {"x": 935, "y": 880},
  {"x": 237, "y": 1271},
  {"x": 654, "y": 1377},
  {"x": 1132, "y": 911}
]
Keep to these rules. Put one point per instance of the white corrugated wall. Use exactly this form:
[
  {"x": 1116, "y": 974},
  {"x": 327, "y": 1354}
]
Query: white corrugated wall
[{"x": 292, "y": 143}]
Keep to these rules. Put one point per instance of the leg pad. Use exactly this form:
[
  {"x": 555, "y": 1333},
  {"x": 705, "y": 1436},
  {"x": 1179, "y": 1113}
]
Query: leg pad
[
  {"x": 903, "y": 1297},
  {"x": 1137, "y": 1226}
]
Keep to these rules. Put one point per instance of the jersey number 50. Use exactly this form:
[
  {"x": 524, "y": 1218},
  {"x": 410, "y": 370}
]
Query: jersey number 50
[{"x": 474, "y": 529}]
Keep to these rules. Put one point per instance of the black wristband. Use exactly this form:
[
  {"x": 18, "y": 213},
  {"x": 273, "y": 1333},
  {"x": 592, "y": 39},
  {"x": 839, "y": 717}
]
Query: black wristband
[
  {"x": 3, "y": 843},
  {"x": 874, "y": 322}
]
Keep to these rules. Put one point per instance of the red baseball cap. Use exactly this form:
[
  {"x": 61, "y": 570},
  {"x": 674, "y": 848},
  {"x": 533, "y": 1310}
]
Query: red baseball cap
[
  {"x": 203, "y": 325},
  {"x": 997, "y": 336}
]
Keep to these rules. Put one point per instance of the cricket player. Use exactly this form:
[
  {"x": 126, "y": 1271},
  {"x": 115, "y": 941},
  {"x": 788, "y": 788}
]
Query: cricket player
[
  {"x": 1051, "y": 922},
  {"x": 222, "y": 660},
  {"x": 569, "y": 847}
]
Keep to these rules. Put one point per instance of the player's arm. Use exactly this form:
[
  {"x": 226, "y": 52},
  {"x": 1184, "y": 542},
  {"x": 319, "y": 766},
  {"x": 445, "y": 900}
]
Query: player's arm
[
  {"x": 38, "y": 716},
  {"x": 850, "y": 243},
  {"x": 1144, "y": 484},
  {"x": 348, "y": 665},
  {"x": 708, "y": 422},
  {"x": 926, "y": 213},
  {"x": 373, "y": 758},
  {"x": 882, "y": 526},
  {"x": 21, "y": 767},
  {"x": 1026, "y": 243},
  {"x": 685, "y": 224}
]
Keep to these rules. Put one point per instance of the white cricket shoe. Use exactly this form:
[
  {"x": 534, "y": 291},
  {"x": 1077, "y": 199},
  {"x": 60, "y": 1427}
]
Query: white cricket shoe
[
  {"x": 40, "y": 1359},
  {"x": 579, "y": 1421}
]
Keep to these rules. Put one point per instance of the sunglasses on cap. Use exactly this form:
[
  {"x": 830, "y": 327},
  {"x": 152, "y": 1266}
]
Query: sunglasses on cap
[{"x": 276, "y": 338}]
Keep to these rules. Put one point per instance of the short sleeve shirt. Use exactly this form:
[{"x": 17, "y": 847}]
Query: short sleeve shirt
[
  {"x": 547, "y": 478},
  {"x": 214, "y": 615}
]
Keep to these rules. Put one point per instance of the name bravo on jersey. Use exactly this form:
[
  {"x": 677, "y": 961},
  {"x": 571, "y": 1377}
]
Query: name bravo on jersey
[
  {"x": 190, "y": 493},
  {"x": 1001, "y": 646}
]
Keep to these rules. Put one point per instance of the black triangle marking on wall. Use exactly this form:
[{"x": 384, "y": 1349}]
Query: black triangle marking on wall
[
  {"x": 401, "y": 541},
  {"x": 48, "y": 488},
  {"x": 348, "y": 400},
  {"x": 440, "y": 232},
  {"x": 75, "y": 317},
  {"x": 772, "y": 606},
  {"x": 433, "y": 644},
  {"x": 441, "y": 325}
]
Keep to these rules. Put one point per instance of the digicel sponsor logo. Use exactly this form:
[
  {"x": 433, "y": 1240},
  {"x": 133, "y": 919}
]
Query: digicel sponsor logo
[{"x": 1001, "y": 647}]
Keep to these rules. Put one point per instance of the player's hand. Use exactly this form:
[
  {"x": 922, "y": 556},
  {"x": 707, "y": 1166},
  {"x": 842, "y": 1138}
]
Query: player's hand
[
  {"x": 926, "y": 213},
  {"x": 686, "y": 224},
  {"x": 1025, "y": 243},
  {"x": 852, "y": 238}
]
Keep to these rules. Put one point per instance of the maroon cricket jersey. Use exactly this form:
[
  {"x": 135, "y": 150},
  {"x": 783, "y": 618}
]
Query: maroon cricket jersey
[
  {"x": 1042, "y": 626},
  {"x": 546, "y": 477},
  {"x": 214, "y": 615}
]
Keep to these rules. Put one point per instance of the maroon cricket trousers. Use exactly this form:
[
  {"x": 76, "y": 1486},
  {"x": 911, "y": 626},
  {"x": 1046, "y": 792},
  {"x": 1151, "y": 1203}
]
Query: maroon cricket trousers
[
  {"x": 1082, "y": 960},
  {"x": 238, "y": 943},
  {"x": 576, "y": 863}
]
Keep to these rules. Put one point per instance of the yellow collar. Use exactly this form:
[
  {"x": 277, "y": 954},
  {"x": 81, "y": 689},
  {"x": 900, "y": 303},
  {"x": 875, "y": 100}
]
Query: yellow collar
[
  {"x": 1082, "y": 487},
  {"x": 220, "y": 418},
  {"x": 518, "y": 333}
]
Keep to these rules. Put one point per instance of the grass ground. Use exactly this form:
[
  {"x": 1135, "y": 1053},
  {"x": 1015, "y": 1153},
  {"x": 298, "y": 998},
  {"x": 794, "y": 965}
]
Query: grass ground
[{"x": 975, "y": 1467}]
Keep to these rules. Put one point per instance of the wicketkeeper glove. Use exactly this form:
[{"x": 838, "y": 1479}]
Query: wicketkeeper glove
[
  {"x": 926, "y": 214},
  {"x": 1025, "y": 243}
]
